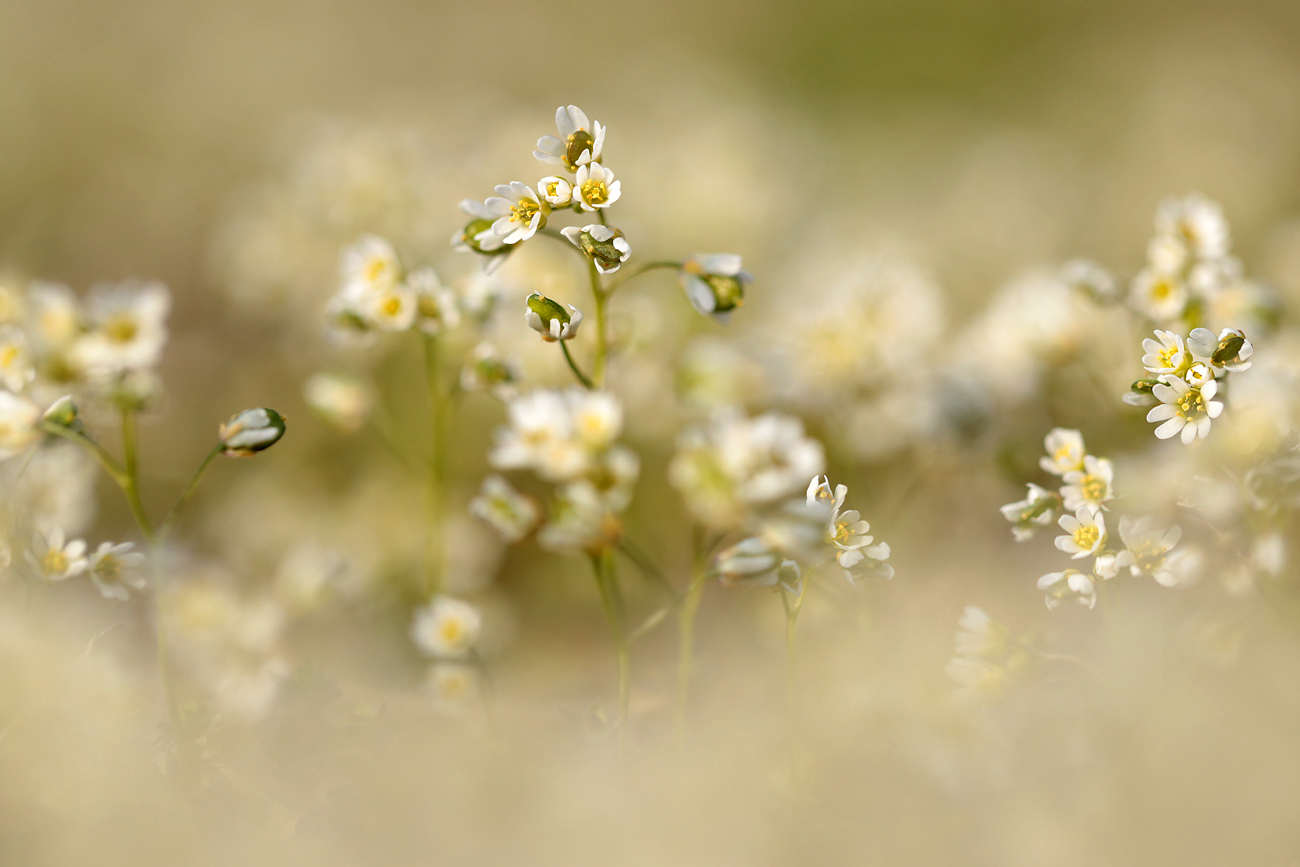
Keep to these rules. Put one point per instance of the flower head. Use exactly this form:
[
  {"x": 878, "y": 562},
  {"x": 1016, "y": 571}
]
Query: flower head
[
  {"x": 1085, "y": 532},
  {"x": 251, "y": 431},
  {"x": 1071, "y": 584},
  {"x": 127, "y": 329},
  {"x": 594, "y": 187},
  {"x": 580, "y": 142},
  {"x": 20, "y": 421},
  {"x": 1184, "y": 409},
  {"x": 1065, "y": 451},
  {"x": 487, "y": 370},
  {"x": 369, "y": 264},
  {"x": 1166, "y": 354},
  {"x": 446, "y": 628},
  {"x": 1148, "y": 543},
  {"x": 1090, "y": 486},
  {"x": 714, "y": 283},
  {"x": 1159, "y": 296},
  {"x": 477, "y": 235},
  {"x": 115, "y": 570},
  {"x": 343, "y": 400},
  {"x": 436, "y": 309},
  {"x": 55, "y": 557},
  {"x": 1036, "y": 510},
  {"x": 1230, "y": 351},
  {"x": 605, "y": 246},
  {"x": 518, "y": 213},
  {"x": 509, "y": 512},
  {"x": 16, "y": 367},
  {"x": 558, "y": 192}
]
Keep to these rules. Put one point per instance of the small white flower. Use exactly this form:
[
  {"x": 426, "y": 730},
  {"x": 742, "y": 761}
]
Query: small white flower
[
  {"x": 1061, "y": 587},
  {"x": 1065, "y": 451},
  {"x": 54, "y": 318},
  {"x": 436, "y": 309},
  {"x": 369, "y": 264},
  {"x": 16, "y": 368},
  {"x": 1084, "y": 275},
  {"x": 1147, "y": 545},
  {"x": 1230, "y": 351},
  {"x": 605, "y": 245},
  {"x": 446, "y": 628},
  {"x": 342, "y": 400},
  {"x": 452, "y": 687},
  {"x": 115, "y": 570},
  {"x": 594, "y": 187},
  {"x": 1184, "y": 408},
  {"x": 750, "y": 561},
  {"x": 518, "y": 213},
  {"x": 1085, "y": 532},
  {"x": 128, "y": 329},
  {"x": 597, "y": 417},
  {"x": 509, "y": 512},
  {"x": 714, "y": 283},
  {"x": 20, "y": 421},
  {"x": 1159, "y": 297},
  {"x": 549, "y": 319},
  {"x": 55, "y": 558},
  {"x": 580, "y": 519},
  {"x": 1036, "y": 510},
  {"x": 1197, "y": 222},
  {"x": 487, "y": 370},
  {"x": 1090, "y": 486},
  {"x": 540, "y": 436},
  {"x": 477, "y": 235},
  {"x": 386, "y": 307},
  {"x": 557, "y": 192},
  {"x": 819, "y": 493},
  {"x": 1166, "y": 354},
  {"x": 581, "y": 140},
  {"x": 251, "y": 431}
]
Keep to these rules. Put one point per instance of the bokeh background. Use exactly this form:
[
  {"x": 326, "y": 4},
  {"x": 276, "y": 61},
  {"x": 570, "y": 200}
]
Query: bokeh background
[{"x": 925, "y": 155}]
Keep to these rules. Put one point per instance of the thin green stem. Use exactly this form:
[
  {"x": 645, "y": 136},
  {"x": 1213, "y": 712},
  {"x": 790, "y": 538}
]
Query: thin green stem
[
  {"x": 637, "y": 272},
  {"x": 611, "y": 601},
  {"x": 686, "y": 646},
  {"x": 107, "y": 461},
  {"x": 792, "y": 610},
  {"x": 131, "y": 475},
  {"x": 582, "y": 377},
  {"x": 602, "y": 336},
  {"x": 174, "y": 512},
  {"x": 436, "y": 494}
]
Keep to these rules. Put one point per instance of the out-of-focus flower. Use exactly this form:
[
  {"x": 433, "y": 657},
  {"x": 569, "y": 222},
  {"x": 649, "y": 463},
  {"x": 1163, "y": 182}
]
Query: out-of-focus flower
[
  {"x": 55, "y": 557},
  {"x": 1035, "y": 511},
  {"x": 435, "y": 305},
  {"x": 1184, "y": 408},
  {"x": 369, "y": 265},
  {"x": 714, "y": 283},
  {"x": 63, "y": 413},
  {"x": 1071, "y": 584},
  {"x": 1086, "y": 276},
  {"x": 477, "y": 235},
  {"x": 446, "y": 628},
  {"x": 19, "y": 424},
  {"x": 341, "y": 399},
  {"x": 16, "y": 368},
  {"x": 604, "y": 245},
  {"x": 115, "y": 570},
  {"x": 549, "y": 319},
  {"x": 518, "y": 211},
  {"x": 750, "y": 561},
  {"x": 487, "y": 370},
  {"x": 127, "y": 329},
  {"x": 581, "y": 518},
  {"x": 1085, "y": 532},
  {"x": 310, "y": 576},
  {"x": 1065, "y": 451},
  {"x": 987, "y": 658},
  {"x": 1090, "y": 486},
  {"x": 540, "y": 437},
  {"x": 54, "y": 318},
  {"x": 452, "y": 687},
  {"x": 1158, "y": 296},
  {"x": 580, "y": 143},
  {"x": 1195, "y": 222},
  {"x": 1147, "y": 545},
  {"x": 251, "y": 431},
  {"x": 594, "y": 187},
  {"x": 509, "y": 512}
]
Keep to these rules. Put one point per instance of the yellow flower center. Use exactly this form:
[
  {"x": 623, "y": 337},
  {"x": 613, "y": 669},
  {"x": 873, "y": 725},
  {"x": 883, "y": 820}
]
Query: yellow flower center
[
  {"x": 1086, "y": 536},
  {"x": 552, "y": 189},
  {"x": 523, "y": 212},
  {"x": 1191, "y": 403},
  {"x": 595, "y": 192},
  {"x": 1094, "y": 487},
  {"x": 1165, "y": 358},
  {"x": 9, "y": 356},
  {"x": 375, "y": 269},
  {"x": 1061, "y": 455},
  {"x": 392, "y": 306},
  {"x": 121, "y": 328},
  {"x": 54, "y": 562},
  {"x": 1162, "y": 290},
  {"x": 451, "y": 631}
]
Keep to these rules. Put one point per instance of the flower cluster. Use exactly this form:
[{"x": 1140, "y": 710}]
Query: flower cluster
[
  {"x": 376, "y": 293},
  {"x": 987, "y": 657},
  {"x": 1188, "y": 373}
]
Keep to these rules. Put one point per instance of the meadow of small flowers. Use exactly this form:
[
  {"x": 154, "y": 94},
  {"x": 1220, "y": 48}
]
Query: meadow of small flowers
[{"x": 623, "y": 482}]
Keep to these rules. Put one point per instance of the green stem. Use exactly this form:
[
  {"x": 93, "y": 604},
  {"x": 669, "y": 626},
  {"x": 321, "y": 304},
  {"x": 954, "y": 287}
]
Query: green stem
[
  {"x": 611, "y": 601},
  {"x": 637, "y": 272},
  {"x": 686, "y": 646},
  {"x": 131, "y": 476},
  {"x": 792, "y": 718},
  {"x": 109, "y": 464},
  {"x": 174, "y": 512},
  {"x": 602, "y": 337},
  {"x": 437, "y": 465},
  {"x": 582, "y": 377}
]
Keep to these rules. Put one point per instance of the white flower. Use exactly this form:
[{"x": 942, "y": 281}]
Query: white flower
[
  {"x": 714, "y": 283},
  {"x": 509, "y": 512},
  {"x": 581, "y": 140},
  {"x": 979, "y": 636},
  {"x": 1184, "y": 408},
  {"x": 446, "y": 628},
  {"x": 436, "y": 309},
  {"x": 386, "y": 307},
  {"x": 342, "y": 400},
  {"x": 549, "y": 319},
  {"x": 1182, "y": 568},
  {"x": 477, "y": 235},
  {"x": 251, "y": 431},
  {"x": 594, "y": 187},
  {"x": 1166, "y": 255},
  {"x": 557, "y": 192},
  {"x": 1086, "y": 276},
  {"x": 369, "y": 264},
  {"x": 452, "y": 687},
  {"x": 20, "y": 421},
  {"x": 1037, "y": 509},
  {"x": 750, "y": 561},
  {"x": 115, "y": 570},
  {"x": 605, "y": 245},
  {"x": 1090, "y": 486},
  {"x": 1197, "y": 222},
  {"x": 581, "y": 519},
  {"x": 55, "y": 558},
  {"x": 53, "y": 316},
  {"x": 556, "y": 433},
  {"x": 1159, "y": 297},
  {"x": 819, "y": 493},
  {"x": 486, "y": 369},
  {"x": 16, "y": 368},
  {"x": 1065, "y": 451},
  {"x": 1061, "y": 587},
  {"x": 1147, "y": 545},
  {"x": 1085, "y": 532},
  {"x": 518, "y": 212},
  {"x": 128, "y": 328},
  {"x": 1166, "y": 354}
]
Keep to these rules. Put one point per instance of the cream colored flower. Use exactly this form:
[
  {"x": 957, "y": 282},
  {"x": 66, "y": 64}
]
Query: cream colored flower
[
  {"x": 16, "y": 368},
  {"x": 1036, "y": 510},
  {"x": 1166, "y": 354},
  {"x": 115, "y": 570},
  {"x": 580, "y": 143},
  {"x": 369, "y": 264},
  {"x": 1085, "y": 532},
  {"x": 436, "y": 308},
  {"x": 446, "y": 628},
  {"x": 56, "y": 558},
  {"x": 1068, "y": 585},
  {"x": 594, "y": 187},
  {"x": 1196, "y": 222},
  {"x": 128, "y": 328},
  {"x": 1230, "y": 351},
  {"x": 557, "y": 192},
  {"x": 20, "y": 421},
  {"x": 343, "y": 400},
  {"x": 1148, "y": 543},
  {"x": 714, "y": 283},
  {"x": 1159, "y": 297},
  {"x": 509, "y": 512},
  {"x": 1184, "y": 409},
  {"x": 1065, "y": 451},
  {"x": 1091, "y": 486},
  {"x": 518, "y": 211}
]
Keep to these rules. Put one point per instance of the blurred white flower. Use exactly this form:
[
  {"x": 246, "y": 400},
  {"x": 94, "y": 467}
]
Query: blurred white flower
[
  {"x": 115, "y": 570},
  {"x": 1196, "y": 222},
  {"x": 446, "y": 628},
  {"x": 341, "y": 399},
  {"x": 1036, "y": 510},
  {"x": 1086, "y": 276},
  {"x": 1090, "y": 486},
  {"x": 1147, "y": 545},
  {"x": 1071, "y": 584},
  {"x": 1065, "y": 451},
  {"x": 127, "y": 329},
  {"x": 54, "y": 318},
  {"x": 1159, "y": 297},
  {"x": 20, "y": 421},
  {"x": 580, "y": 143},
  {"x": 55, "y": 557},
  {"x": 436, "y": 309},
  {"x": 16, "y": 368},
  {"x": 370, "y": 264},
  {"x": 714, "y": 283},
  {"x": 453, "y": 688},
  {"x": 1085, "y": 532},
  {"x": 509, "y": 512},
  {"x": 1184, "y": 408}
]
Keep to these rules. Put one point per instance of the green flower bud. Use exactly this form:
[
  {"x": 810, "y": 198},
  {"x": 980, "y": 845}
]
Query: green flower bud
[
  {"x": 63, "y": 413},
  {"x": 605, "y": 246},
  {"x": 250, "y": 432},
  {"x": 549, "y": 319}
]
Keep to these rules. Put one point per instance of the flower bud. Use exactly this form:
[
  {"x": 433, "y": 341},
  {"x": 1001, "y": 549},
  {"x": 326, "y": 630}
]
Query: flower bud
[
  {"x": 486, "y": 370},
  {"x": 251, "y": 431},
  {"x": 1139, "y": 393},
  {"x": 714, "y": 284},
  {"x": 63, "y": 413},
  {"x": 605, "y": 246},
  {"x": 477, "y": 236},
  {"x": 1233, "y": 350},
  {"x": 549, "y": 319}
]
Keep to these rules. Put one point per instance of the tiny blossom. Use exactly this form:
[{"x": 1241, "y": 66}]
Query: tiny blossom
[
  {"x": 509, "y": 512},
  {"x": 127, "y": 328},
  {"x": 56, "y": 558},
  {"x": 1065, "y": 452},
  {"x": 1230, "y": 351},
  {"x": 1166, "y": 354},
  {"x": 452, "y": 687},
  {"x": 594, "y": 187},
  {"x": 605, "y": 245},
  {"x": 846, "y": 531},
  {"x": 387, "y": 307},
  {"x": 549, "y": 319},
  {"x": 115, "y": 570},
  {"x": 487, "y": 370},
  {"x": 1184, "y": 408},
  {"x": 446, "y": 628},
  {"x": 343, "y": 400},
  {"x": 540, "y": 437},
  {"x": 557, "y": 192},
  {"x": 580, "y": 143},
  {"x": 1090, "y": 486},
  {"x": 1196, "y": 222},
  {"x": 369, "y": 264},
  {"x": 1160, "y": 297},
  {"x": 1061, "y": 587},
  {"x": 436, "y": 309},
  {"x": 20, "y": 421},
  {"x": 54, "y": 316},
  {"x": 518, "y": 211},
  {"x": 477, "y": 235},
  {"x": 582, "y": 518},
  {"x": 16, "y": 368},
  {"x": 1147, "y": 545},
  {"x": 1085, "y": 532},
  {"x": 251, "y": 431},
  {"x": 714, "y": 283},
  {"x": 1086, "y": 276},
  {"x": 751, "y": 562},
  {"x": 1036, "y": 510}
]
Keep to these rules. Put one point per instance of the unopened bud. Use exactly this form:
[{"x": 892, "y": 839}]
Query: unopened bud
[
  {"x": 250, "y": 432},
  {"x": 549, "y": 319},
  {"x": 63, "y": 413},
  {"x": 714, "y": 284},
  {"x": 607, "y": 247}
]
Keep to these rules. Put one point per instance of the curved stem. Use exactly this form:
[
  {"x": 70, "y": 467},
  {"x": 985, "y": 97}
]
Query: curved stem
[
  {"x": 109, "y": 464},
  {"x": 174, "y": 512},
  {"x": 582, "y": 377}
]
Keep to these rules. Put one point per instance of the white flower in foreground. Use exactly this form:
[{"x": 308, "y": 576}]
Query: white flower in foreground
[
  {"x": 604, "y": 245},
  {"x": 55, "y": 558},
  {"x": 1036, "y": 510},
  {"x": 1148, "y": 543},
  {"x": 557, "y": 192},
  {"x": 20, "y": 421},
  {"x": 1090, "y": 486},
  {"x": 1197, "y": 222},
  {"x": 1166, "y": 354},
  {"x": 509, "y": 512},
  {"x": 251, "y": 431},
  {"x": 436, "y": 309},
  {"x": 581, "y": 140},
  {"x": 115, "y": 570},
  {"x": 446, "y": 628},
  {"x": 1070, "y": 584},
  {"x": 714, "y": 283},
  {"x": 1184, "y": 408},
  {"x": 342, "y": 400},
  {"x": 16, "y": 368},
  {"x": 518, "y": 213},
  {"x": 549, "y": 318},
  {"x": 1159, "y": 297},
  {"x": 1065, "y": 451},
  {"x": 1230, "y": 351},
  {"x": 369, "y": 264},
  {"x": 1086, "y": 532},
  {"x": 128, "y": 328},
  {"x": 594, "y": 187},
  {"x": 452, "y": 687}
]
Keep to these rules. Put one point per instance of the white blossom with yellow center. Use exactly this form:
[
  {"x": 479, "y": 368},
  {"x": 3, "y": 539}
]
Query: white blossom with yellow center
[
  {"x": 1184, "y": 409},
  {"x": 1085, "y": 532},
  {"x": 20, "y": 421},
  {"x": 1065, "y": 451},
  {"x": 55, "y": 558},
  {"x": 16, "y": 368},
  {"x": 518, "y": 211},
  {"x": 1090, "y": 486},
  {"x": 1158, "y": 296},
  {"x": 1166, "y": 354},
  {"x": 594, "y": 187},
  {"x": 580, "y": 142},
  {"x": 446, "y": 628}
]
